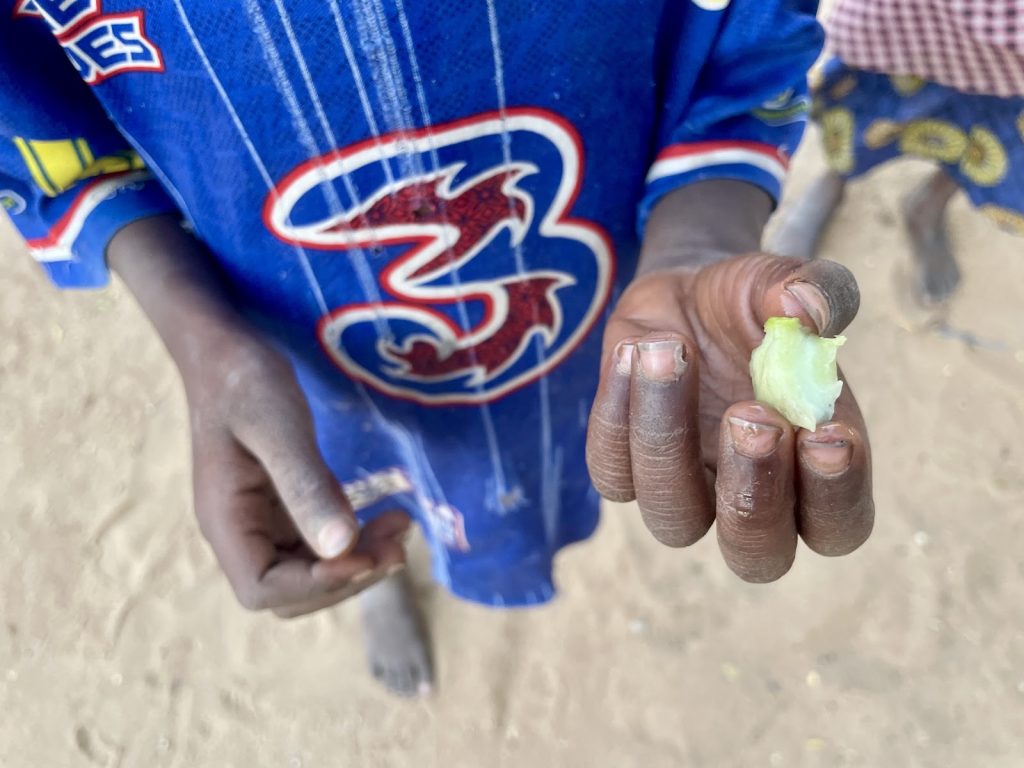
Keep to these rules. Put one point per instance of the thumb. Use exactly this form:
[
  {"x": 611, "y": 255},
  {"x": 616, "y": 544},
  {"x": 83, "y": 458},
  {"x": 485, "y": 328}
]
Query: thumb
[
  {"x": 821, "y": 294},
  {"x": 314, "y": 500},
  {"x": 284, "y": 442}
]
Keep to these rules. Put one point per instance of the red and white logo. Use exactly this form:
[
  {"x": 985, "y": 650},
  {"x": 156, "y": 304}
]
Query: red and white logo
[{"x": 480, "y": 280}]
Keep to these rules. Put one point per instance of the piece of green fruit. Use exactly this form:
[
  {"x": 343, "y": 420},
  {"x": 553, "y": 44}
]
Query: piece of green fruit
[{"x": 794, "y": 371}]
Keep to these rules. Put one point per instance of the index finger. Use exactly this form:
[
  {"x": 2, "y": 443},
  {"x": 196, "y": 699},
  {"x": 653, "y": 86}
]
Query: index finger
[
  {"x": 322, "y": 583},
  {"x": 664, "y": 441}
]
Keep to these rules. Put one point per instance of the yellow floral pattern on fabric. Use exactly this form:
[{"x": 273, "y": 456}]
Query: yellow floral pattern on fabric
[
  {"x": 1020, "y": 125},
  {"x": 906, "y": 85},
  {"x": 1005, "y": 219},
  {"x": 934, "y": 140},
  {"x": 882, "y": 132},
  {"x": 843, "y": 88},
  {"x": 984, "y": 161},
  {"x": 837, "y": 137}
]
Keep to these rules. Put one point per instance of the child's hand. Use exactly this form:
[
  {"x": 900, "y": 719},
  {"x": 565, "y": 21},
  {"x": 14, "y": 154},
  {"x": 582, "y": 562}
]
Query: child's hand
[
  {"x": 274, "y": 514},
  {"x": 675, "y": 427},
  {"x": 277, "y": 520}
]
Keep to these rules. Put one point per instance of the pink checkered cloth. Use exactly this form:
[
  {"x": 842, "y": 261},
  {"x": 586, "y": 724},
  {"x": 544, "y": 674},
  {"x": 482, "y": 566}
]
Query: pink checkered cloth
[{"x": 975, "y": 46}]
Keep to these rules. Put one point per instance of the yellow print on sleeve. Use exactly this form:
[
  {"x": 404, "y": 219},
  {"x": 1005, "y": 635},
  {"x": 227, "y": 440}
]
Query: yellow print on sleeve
[{"x": 57, "y": 165}]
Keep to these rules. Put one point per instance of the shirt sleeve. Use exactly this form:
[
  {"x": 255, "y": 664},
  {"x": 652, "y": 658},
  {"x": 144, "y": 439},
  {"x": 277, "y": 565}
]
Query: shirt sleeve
[
  {"x": 68, "y": 180},
  {"x": 741, "y": 113}
]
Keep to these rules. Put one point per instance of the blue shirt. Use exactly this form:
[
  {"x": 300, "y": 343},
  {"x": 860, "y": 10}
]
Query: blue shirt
[{"x": 430, "y": 206}]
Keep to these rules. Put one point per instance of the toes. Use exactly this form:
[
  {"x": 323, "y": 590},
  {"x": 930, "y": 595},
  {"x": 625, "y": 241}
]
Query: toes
[
  {"x": 940, "y": 284},
  {"x": 407, "y": 681},
  {"x": 421, "y": 684},
  {"x": 396, "y": 679},
  {"x": 407, "y": 675},
  {"x": 401, "y": 682}
]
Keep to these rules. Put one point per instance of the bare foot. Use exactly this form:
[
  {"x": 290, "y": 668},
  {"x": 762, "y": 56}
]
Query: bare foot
[
  {"x": 801, "y": 226},
  {"x": 396, "y": 641},
  {"x": 925, "y": 210}
]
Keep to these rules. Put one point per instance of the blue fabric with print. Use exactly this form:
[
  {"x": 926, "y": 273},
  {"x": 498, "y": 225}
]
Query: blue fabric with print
[{"x": 430, "y": 207}]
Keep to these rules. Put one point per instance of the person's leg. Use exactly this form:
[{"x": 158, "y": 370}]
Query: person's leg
[
  {"x": 801, "y": 226},
  {"x": 397, "y": 649},
  {"x": 925, "y": 212}
]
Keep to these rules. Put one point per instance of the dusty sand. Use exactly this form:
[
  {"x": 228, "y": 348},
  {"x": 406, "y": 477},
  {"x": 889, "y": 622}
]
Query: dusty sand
[{"x": 121, "y": 645}]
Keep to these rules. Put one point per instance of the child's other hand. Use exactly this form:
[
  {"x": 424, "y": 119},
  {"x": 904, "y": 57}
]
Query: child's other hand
[
  {"x": 675, "y": 427},
  {"x": 276, "y": 517}
]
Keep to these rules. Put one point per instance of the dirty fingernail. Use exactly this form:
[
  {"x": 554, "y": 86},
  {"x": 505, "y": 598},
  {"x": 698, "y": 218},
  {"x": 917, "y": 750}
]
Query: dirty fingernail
[
  {"x": 394, "y": 569},
  {"x": 828, "y": 457},
  {"x": 752, "y": 439},
  {"x": 334, "y": 539},
  {"x": 812, "y": 301},
  {"x": 661, "y": 360},
  {"x": 624, "y": 357}
]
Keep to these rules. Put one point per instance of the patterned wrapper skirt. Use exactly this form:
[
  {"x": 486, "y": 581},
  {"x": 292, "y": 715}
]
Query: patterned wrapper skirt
[{"x": 868, "y": 118}]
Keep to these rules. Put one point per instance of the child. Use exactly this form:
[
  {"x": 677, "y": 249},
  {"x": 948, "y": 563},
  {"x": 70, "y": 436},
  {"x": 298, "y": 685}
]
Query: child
[
  {"x": 405, "y": 226},
  {"x": 941, "y": 80}
]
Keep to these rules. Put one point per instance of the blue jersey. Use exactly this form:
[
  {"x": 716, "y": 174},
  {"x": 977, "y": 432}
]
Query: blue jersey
[{"x": 430, "y": 206}]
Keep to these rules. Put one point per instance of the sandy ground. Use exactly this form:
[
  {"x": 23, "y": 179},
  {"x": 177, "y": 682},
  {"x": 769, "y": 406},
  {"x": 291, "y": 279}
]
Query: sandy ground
[{"x": 120, "y": 644}]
